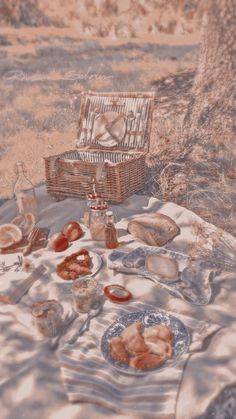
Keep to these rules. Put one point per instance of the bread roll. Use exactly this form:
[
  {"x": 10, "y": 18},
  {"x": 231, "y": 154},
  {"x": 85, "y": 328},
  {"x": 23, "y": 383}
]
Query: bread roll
[
  {"x": 162, "y": 265},
  {"x": 147, "y": 361},
  {"x": 25, "y": 222},
  {"x": 155, "y": 229},
  {"x": 9, "y": 234},
  {"x": 133, "y": 340},
  {"x": 159, "y": 347},
  {"x": 159, "y": 331}
]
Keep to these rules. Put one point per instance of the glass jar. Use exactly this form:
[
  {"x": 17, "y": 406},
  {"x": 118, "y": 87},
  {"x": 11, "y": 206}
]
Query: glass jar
[
  {"x": 93, "y": 198},
  {"x": 97, "y": 220},
  {"x": 86, "y": 292},
  {"x": 24, "y": 191},
  {"x": 48, "y": 317}
]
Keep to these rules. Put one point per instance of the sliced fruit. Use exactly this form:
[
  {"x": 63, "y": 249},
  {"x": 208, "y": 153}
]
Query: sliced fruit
[
  {"x": 25, "y": 222},
  {"x": 9, "y": 234}
]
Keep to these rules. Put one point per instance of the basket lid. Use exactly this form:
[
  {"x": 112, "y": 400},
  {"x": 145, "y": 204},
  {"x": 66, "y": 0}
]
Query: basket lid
[{"x": 115, "y": 120}]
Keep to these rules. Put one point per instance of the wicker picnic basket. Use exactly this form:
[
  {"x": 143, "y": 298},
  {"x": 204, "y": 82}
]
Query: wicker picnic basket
[{"x": 112, "y": 143}]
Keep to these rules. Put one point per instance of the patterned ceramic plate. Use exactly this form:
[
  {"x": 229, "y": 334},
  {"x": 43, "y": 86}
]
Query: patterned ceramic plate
[
  {"x": 194, "y": 287},
  {"x": 136, "y": 259},
  {"x": 181, "y": 336}
]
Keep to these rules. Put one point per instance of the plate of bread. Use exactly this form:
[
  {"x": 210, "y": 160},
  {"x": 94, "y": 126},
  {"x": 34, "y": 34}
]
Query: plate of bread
[
  {"x": 145, "y": 341},
  {"x": 165, "y": 264}
]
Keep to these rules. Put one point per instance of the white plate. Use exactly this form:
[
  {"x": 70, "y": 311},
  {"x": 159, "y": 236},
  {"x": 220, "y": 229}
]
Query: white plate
[{"x": 96, "y": 265}]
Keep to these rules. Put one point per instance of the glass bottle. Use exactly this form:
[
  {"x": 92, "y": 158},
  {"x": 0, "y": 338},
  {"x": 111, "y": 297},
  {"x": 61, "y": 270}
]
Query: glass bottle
[
  {"x": 111, "y": 241},
  {"x": 24, "y": 191},
  {"x": 97, "y": 219}
]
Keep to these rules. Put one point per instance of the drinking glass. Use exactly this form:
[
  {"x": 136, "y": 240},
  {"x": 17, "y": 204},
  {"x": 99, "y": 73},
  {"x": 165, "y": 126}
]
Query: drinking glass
[
  {"x": 86, "y": 292},
  {"x": 48, "y": 317}
]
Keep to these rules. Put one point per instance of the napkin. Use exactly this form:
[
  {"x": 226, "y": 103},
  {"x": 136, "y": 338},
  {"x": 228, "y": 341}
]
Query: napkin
[
  {"x": 88, "y": 377},
  {"x": 11, "y": 291}
]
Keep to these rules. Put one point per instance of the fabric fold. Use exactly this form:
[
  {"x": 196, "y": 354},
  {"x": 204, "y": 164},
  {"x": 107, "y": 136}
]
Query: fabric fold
[{"x": 87, "y": 376}]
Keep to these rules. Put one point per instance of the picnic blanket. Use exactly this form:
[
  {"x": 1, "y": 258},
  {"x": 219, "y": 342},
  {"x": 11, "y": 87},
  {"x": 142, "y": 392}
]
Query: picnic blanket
[{"x": 32, "y": 377}]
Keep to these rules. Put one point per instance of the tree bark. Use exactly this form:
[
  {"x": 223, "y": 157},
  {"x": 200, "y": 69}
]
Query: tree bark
[
  {"x": 203, "y": 177},
  {"x": 209, "y": 123}
]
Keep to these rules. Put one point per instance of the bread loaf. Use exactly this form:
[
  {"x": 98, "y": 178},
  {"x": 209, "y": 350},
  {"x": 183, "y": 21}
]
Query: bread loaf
[
  {"x": 9, "y": 235},
  {"x": 155, "y": 229}
]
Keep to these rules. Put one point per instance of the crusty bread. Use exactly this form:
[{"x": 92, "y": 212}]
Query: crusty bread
[
  {"x": 162, "y": 265},
  {"x": 25, "y": 222},
  {"x": 155, "y": 230},
  {"x": 160, "y": 331},
  {"x": 9, "y": 235}
]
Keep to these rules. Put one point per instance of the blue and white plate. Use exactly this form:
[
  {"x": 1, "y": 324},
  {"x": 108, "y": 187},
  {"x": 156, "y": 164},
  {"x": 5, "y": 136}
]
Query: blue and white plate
[
  {"x": 181, "y": 337},
  {"x": 195, "y": 288}
]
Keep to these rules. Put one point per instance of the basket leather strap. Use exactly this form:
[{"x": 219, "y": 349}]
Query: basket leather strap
[
  {"x": 108, "y": 127},
  {"x": 101, "y": 171}
]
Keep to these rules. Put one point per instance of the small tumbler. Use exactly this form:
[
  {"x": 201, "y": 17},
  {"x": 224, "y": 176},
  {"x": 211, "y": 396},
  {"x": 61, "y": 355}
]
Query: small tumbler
[
  {"x": 48, "y": 317},
  {"x": 86, "y": 292}
]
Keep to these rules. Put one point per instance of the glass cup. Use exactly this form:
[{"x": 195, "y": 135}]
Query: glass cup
[
  {"x": 48, "y": 317},
  {"x": 86, "y": 293}
]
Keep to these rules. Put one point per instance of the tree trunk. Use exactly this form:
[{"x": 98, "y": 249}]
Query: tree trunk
[
  {"x": 209, "y": 122},
  {"x": 205, "y": 174}
]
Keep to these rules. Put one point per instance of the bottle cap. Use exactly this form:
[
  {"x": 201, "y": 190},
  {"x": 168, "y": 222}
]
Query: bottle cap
[{"x": 109, "y": 213}]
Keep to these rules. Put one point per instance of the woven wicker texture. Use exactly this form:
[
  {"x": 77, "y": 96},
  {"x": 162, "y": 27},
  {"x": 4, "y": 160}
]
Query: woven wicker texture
[{"x": 113, "y": 139}]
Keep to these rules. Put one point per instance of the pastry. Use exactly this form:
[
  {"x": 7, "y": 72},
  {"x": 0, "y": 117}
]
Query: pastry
[
  {"x": 117, "y": 350},
  {"x": 73, "y": 266},
  {"x": 159, "y": 331},
  {"x": 142, "y": 348},
  {"x": 159, "y": 347},
  {"x": 147, "y": 361},
  {"x": 133, "y": 339}
]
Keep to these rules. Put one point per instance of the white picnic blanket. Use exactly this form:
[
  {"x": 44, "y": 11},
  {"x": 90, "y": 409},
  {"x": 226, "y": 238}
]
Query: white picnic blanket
[
  {"x": 32, "y": 378},
  {"x": 89, "y": 377}
]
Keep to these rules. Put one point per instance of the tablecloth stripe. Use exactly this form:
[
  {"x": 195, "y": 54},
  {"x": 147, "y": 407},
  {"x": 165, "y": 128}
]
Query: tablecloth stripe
[{"x": 87, "y": 376}]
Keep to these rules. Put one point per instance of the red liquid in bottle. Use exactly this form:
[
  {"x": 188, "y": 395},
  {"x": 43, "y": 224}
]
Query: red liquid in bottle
[{"x": 111, "y": 241}]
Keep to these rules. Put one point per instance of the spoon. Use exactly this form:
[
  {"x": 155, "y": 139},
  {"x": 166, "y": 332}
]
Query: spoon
[
  {"x": 67, "y": 322},
  {"x": 94, "y": 312}
]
